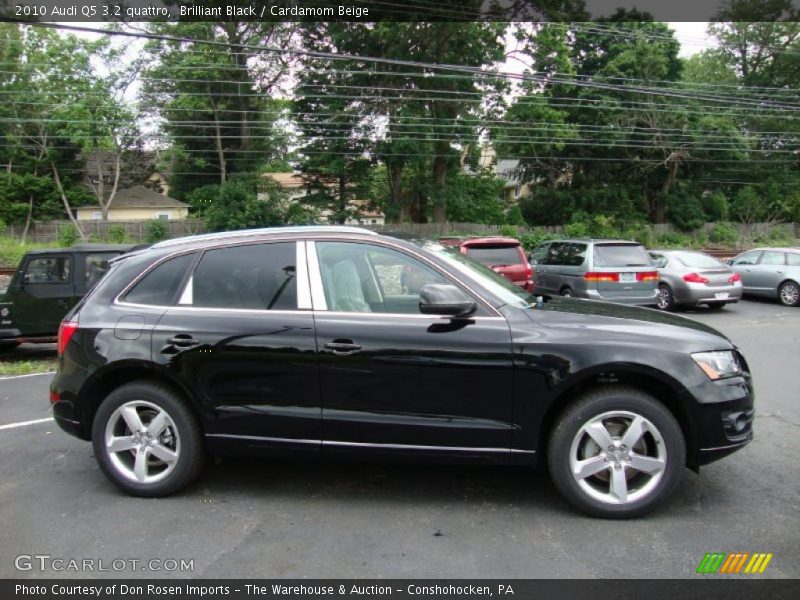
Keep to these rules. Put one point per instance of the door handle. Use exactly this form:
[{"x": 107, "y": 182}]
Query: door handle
[
  {"x": 342, "y": 347},
  {"x": 183, "y": 341}
]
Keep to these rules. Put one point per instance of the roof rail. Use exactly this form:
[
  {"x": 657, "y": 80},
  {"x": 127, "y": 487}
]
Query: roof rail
[{"x": 262, "y": 231}]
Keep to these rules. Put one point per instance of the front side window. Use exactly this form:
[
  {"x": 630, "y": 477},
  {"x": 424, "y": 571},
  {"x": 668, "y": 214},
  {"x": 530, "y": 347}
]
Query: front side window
[
  {"x": 748, "y": 258},
  {"x": 371, "y": 279},
  {"x": 251, "y": 277},
  {"x": 50, "y": 269},
  {"x": 160, "y": 286}
]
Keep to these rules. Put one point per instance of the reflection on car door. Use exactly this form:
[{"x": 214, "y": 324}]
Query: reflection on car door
[
  {"x": 240, "y": 340},
  {"x": 394, "y": 379},
  {"x": 744, "y": 266}
]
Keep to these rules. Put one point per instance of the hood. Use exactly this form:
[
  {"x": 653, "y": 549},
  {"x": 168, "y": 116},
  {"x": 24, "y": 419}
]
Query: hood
[{"x": 617, "y": 319}]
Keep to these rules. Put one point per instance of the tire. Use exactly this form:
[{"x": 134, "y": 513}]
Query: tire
[
  {"x": 715, "y": 305},
  {"x": 566, "y": 292},
  {"x": 660, "y": 447},
  {"x": 148, "y": 465},
  {"x": 6, "y": 347},
  {"x": 666, "y": 299},
  {"x": 789, "y": 293}
]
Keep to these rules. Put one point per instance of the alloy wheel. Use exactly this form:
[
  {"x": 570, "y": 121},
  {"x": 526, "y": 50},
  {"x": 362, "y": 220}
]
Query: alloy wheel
[
  {"x": 663, "y": 298},
  {"x": 142, "y": 441},
  {"x": 790, "y": 293},
  {"x": 618, "y": 457}
]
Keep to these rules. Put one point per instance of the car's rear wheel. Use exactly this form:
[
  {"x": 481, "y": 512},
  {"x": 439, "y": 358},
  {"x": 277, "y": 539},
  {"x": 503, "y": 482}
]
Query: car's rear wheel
[
  {"x": 147, "y": 440},
  {"x": 6, "y": 346},
  {"x": 616, "y": 452},
  {"x": 666, "y": 300},
  {"x": 567, "y": 292},
  {"x": 789, "y": 293}
]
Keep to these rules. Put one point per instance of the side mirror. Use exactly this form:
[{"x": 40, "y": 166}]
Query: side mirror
[{"x": 445, "y": 299}]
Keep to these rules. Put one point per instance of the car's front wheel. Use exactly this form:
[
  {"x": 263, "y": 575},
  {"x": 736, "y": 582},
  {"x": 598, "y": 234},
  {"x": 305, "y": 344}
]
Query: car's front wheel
[
  {"x": 616, "y": 452},
  {"x": 146, "y": 440}
]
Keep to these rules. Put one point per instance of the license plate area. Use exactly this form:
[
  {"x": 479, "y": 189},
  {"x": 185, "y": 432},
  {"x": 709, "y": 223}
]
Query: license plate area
[
  {"x": 722, "y": 295},
  {"x": 627, "y": 277}
]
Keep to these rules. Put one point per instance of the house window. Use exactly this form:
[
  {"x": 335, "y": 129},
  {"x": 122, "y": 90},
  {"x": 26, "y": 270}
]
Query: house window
[
  {"x": 162, "y": 216},
  {"x": 97, "y": 216},
  {"x": 517, "y": 190}
]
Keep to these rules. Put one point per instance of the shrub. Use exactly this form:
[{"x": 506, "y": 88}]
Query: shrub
[
  {"x": 724, "y": 234},
  {"x": 533, "y": 238},
  {"x": 639, "y": 231},
  {"x": 508, "y": 231},
  {"x": 67, "y": 235},
  {"x": 576, "y": 229},
  {"x": 116, "y": 234},
  {"x": 514, "y": 216},
  {"x": 155, "y": 231},
  {"x": 715, "y": 206},
  {"x": 673, "y": 240},
  {"x": 778, "y": 235},
  {"x": 684, "y": 211}
]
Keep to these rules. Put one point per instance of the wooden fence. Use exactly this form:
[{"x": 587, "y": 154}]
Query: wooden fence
[{"x": 46, "y": 232}]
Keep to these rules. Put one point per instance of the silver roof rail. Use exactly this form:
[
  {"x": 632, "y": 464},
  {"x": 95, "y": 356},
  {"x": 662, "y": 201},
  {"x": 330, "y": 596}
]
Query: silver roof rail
[{"x": 264, "y": 230}]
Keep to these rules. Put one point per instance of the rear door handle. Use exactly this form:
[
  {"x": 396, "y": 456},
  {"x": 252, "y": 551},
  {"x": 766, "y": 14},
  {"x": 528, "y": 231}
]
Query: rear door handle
[
  {"x": 183, "y": 341},
  {"x": 342, "y": 347}
]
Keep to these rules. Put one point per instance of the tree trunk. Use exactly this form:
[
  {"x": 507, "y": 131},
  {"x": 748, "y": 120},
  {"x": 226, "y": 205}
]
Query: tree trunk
[
  {"x": 342, "y": 198},
  {"x": 64, "y": 199},
  {"x": 28, "y": 219},
  {"x": 395, "y": 199},
  {"x": 105, "y": 206},
  {"x": 220, "y": 149},
  {"x": 439, "y": 178}
]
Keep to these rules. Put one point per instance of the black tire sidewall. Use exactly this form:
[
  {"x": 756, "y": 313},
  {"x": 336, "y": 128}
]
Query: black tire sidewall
[
  {"x": 596, "y": 403},
  {"x": 191, "y": 453}
]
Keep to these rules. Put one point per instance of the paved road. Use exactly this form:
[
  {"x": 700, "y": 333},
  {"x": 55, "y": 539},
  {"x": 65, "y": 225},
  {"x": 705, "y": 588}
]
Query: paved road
[{"x": 288, "y": 519}]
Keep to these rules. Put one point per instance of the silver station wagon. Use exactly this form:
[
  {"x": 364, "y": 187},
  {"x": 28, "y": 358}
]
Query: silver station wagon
[
  {"x": 610, "y": 270},
  {"x": 771, "y": 273}
]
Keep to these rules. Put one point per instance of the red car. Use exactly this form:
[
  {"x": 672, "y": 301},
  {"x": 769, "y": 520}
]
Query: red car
[{"x": 502, "y": 254}]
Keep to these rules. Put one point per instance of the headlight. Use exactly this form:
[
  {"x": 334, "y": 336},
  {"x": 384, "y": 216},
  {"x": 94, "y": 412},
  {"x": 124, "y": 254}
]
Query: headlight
[{"x": 719, "y": 364}]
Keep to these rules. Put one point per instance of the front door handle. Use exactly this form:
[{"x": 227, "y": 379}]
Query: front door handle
[
  {"x": 342, "y": 347},
  {"x": 183, "y": 341}
]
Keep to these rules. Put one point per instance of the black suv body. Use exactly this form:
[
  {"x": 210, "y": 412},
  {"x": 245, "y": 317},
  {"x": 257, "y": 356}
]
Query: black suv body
[{"x": 308, "y": 340}]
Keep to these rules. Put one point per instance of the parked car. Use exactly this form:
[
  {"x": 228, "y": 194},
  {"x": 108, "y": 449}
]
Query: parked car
[
  {"x": 302, "y": 340},
  {"x": 688, "y": 278},
  {"x": 770, "y": 273},
  {"x": 611, "y": 270},
  {"x": 47, "y": 284},
  {"x": 504, "y": 255}
]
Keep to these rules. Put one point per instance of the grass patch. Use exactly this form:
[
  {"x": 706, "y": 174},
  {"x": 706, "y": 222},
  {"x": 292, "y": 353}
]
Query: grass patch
[
  {"x": 25, "y": 366},
  {"x": 11, "y": 251}
]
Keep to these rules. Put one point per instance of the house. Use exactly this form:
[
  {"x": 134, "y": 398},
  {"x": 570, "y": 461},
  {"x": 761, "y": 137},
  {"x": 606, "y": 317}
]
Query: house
[
  {"x": 362, "y": 212},
  {"x": 137, "y": 203}
]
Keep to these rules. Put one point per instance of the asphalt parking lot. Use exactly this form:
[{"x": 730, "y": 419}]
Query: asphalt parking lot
[{"x": 290, "y": 519}]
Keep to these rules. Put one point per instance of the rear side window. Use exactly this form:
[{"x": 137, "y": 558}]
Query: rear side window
[
  {"x": 253, "y": 277},
  {"x": 160, "y": 286},
  {"x": 50, "y": 269},
  {"x": 770, "y": 257},
  {"x": 621, "y": 255},
  {"x": 495, "y": 256},
  {"x": 793, "y": 259}
]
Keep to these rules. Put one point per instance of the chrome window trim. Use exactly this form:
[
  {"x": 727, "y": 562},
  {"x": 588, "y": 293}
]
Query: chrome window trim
[
  {"x": 301, "y": 273},
  {"x": 318, "y": 301},
  {"x": 187, "y": 296},
  {"x": 337, "y": 443},
  {"x": 263, "y": 231}
]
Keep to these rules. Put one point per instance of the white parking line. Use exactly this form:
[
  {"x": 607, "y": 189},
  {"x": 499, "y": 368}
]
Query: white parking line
[
  {"x": 25, "y": 423},
  {"x": 28, "y": 375}
]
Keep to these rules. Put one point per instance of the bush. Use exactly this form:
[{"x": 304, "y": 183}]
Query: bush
[
  {"x": 514, "y": 216},
  {"x": 67, "y": 235},
  {"x": 673, "y": 240},
  {"x": 684, "y": 211},
  {"x": 639, "y": 231},
  {"x": 155, "y": 231},
  {"x": 509, "y": 231},
  {"x": 715, "y": 206},
  {"x": 779, "y": 235},
  {"x": 533, "y": 238},
  {"x": 116, "y": 234},
  {"x": 724, "y": 234}
]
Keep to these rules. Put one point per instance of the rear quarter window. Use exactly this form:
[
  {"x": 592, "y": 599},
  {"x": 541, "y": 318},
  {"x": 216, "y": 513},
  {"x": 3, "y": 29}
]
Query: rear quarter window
[{"x": 160, "y": 286}]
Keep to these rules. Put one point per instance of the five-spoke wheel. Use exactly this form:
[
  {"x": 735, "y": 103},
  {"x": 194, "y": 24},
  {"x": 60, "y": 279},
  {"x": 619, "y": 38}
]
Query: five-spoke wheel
[{"x": 616, "y": 452}]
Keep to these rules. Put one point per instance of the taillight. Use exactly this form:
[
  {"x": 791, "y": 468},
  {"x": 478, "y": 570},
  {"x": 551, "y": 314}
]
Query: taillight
[
  {"x": 65, "y": 333},
  {"x": 54, "y": 397},
  {"x": 734, "y": 278},
  {"x": 594, "y": 276},
  {"x": 647, "y": 276},
  {"x": 695, "y": 278},
  {"x": 528, "y": 273}
]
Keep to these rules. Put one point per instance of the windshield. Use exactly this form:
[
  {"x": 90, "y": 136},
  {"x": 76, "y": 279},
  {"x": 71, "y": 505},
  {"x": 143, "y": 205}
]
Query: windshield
[
  {"x": 699, "y": 261},
  {"x": 484, "y": 276},
  {"x": 621, "y": 255},
  {"x": 496, "y": 256}
]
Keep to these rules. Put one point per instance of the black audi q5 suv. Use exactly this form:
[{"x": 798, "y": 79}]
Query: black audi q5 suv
[{"x": 336, "y": 340}]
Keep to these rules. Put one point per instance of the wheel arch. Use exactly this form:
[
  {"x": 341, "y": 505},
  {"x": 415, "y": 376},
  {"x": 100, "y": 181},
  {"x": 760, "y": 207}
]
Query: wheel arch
[
  {"x": 664, "y": 388},
  {"x": 109, "y": 378}
]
